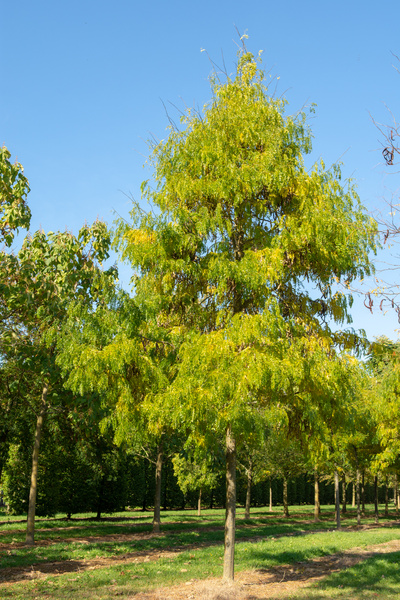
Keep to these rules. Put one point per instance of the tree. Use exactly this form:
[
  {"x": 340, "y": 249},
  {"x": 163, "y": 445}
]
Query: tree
[
  {"x": 195, "y": 473},
  {"x": 239, "y": 267},
  {"x": 14, "y": 189},
  {"x": 37, "y": 285}
]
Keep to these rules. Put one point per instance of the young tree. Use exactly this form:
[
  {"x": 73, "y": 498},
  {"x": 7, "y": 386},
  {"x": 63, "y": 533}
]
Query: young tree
[
  {"x": 239, "y": 232},
  {"x": 38, "y": 284},
  {"x": 241, "y": 263}
]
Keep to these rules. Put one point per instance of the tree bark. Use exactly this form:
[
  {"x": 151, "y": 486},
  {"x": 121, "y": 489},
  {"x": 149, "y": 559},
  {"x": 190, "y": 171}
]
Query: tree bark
[
  {"x": 30, "y": 528},
  {"x": 386, "y": 498},
  {"x": 363, "y": 494},
  {"x": 397, "y": 498},
  {"x": 376, "y": 499},
  {"x": 344, "y": 499},
  {"x": 317, "y": 507},
  {"x": 230, "y": 512},
  {"x": 358, "y": 497},
  {"x": 285, "y": 498},
  {"x": 353, "y": 498},
  {"x": 157, "y": 495},
  {"x": 248, "y": 492},
  {"x": 337, "y": 499},
  {"x": 199, "y": 504}
]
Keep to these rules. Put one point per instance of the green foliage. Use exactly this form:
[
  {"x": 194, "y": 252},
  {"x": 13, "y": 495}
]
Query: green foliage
[
  {"x": 14, "y": 188},
  {"x": 194, "y": 474},
  {"x": 222, "y": 270}
]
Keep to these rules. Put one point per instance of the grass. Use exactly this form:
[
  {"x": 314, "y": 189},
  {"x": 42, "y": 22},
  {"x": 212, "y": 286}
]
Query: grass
[
  {"x": 376, "y": 578},
  {"x": 195, "y": 548}
]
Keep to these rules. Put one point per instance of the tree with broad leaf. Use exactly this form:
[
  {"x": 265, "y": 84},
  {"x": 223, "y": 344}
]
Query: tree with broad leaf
[
  {"x": 14, "y": 189},
  {"x": 36, "y": 287}
]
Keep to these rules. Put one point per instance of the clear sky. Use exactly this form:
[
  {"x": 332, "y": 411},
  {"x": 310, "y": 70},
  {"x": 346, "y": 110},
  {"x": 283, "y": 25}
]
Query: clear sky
[{"x": 83, "y": 85}]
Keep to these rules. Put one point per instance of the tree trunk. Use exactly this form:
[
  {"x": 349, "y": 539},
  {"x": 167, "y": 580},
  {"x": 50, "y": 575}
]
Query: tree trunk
[
  {"x": 199, "y": 504},
  {"x": 285, "y": 498},
  {"x": 397, "y": 498},
  {"x": 316, "y": 496},
  {"x": 270, "y": 495},
  {"x": 344, "y": 500},
  {"x": 337, "y": 499},
  {"x": 166, "y": 486},
  {"x": 230, "y": 513},
  {"x": 248, "y": 492},
  {"x": 144, "y": 503},
  {"x": 358, "y": 497},
  {"x": 157, "y": 495},
  {"x": 30, "y": 528},
  {"x": 363, "y": 494},
  {"x": 386, "y": 498},
  {"x": 353, "y": 498},
  {"x": 100, "y": 499},
  {"x": 376, "y": 499}
]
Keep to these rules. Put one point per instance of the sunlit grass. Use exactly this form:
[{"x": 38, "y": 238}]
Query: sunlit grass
[{"x": 264, "y": 541}]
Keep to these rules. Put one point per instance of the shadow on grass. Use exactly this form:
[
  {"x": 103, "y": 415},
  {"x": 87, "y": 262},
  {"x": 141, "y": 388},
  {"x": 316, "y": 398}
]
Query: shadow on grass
[
  {"x": 376, "y": 577},
  {"x": 378, "y": 573}
]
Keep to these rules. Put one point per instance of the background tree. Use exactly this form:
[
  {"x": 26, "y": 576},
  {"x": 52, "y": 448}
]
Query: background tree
[{"x": 37, "y": 286}]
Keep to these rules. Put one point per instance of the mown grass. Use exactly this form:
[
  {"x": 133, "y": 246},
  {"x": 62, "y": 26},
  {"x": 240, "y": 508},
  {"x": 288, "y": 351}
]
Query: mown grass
[
  {"x": 376, "y": 578},
  {"x": 192, "y": 560}
]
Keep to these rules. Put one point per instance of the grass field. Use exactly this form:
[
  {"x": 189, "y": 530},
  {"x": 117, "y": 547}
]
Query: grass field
[{"x": 119, "y": 557}]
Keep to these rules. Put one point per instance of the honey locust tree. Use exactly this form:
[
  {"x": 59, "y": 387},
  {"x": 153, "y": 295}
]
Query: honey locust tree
[
  {"x": 240, "y": 258},
  {"x": 108, "y": 348}
]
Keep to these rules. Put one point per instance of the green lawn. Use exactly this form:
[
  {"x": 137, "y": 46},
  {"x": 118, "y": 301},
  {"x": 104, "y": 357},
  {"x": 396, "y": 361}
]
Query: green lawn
[{"x": 195, "y": 549}]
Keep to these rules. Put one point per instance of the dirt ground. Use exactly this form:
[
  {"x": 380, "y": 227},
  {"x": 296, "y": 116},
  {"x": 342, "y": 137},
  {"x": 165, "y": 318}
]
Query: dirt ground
[{"x": 248, "y": 585}]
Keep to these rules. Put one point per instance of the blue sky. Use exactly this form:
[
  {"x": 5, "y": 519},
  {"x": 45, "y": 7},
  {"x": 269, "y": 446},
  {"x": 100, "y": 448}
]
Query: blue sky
[{"x": 83, "y": 83}]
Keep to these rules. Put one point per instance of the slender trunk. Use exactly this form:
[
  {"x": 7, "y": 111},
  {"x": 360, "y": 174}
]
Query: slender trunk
[
  {"x": 337, "y": 499},
  {"x": 165, "y": 486},
  {"x": 316, "y": 496},
  {"x": 248, "y": 492},
  {"x": 358, "y": 497},
  {"x": 270, "y": 495},
  {"x": 157, "y": 495},
  {"x": 100, "y": 498},
  {"x": 285, "y": 498},
  {"x": 144, "y": 503},
  {"x": 376, "y": 499},
  {"x": 230, "y": 512},
  {"x": 353, "y": 498},
  {"x": 199, "y": 504},
  {"x": 397, "y": 497},
  {"x": 30, "y": 529},
  {"x": 363, "y": 494},
  {"x": 386, "y": 498},
  {"x": 344, "y": 500}
]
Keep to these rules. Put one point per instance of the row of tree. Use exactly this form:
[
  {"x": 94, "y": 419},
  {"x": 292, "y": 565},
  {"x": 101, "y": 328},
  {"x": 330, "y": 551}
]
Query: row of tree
[{"x": 229, "y": 343}]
